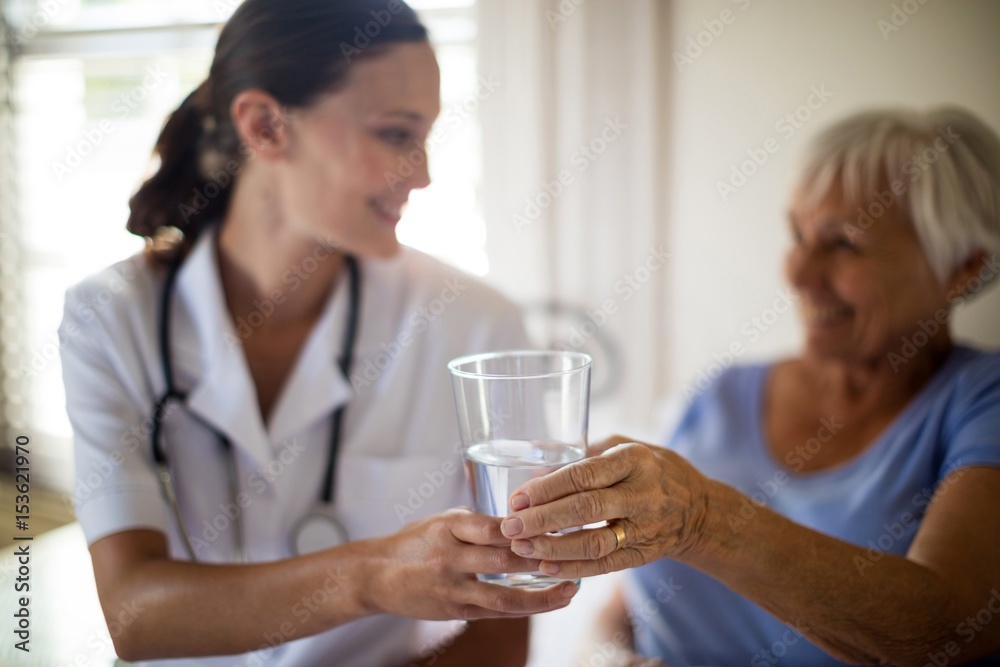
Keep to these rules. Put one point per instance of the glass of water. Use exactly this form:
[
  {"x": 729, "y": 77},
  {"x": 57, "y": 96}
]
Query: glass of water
[{"x": 521, "y": 414}]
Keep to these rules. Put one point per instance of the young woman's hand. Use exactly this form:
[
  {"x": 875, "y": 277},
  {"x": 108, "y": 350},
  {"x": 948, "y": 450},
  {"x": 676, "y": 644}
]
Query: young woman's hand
[{"x": 428, "y": 570}]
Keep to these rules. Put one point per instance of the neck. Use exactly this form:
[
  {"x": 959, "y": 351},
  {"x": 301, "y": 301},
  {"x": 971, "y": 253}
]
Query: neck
[
  {"x": 263, "y": 260},
  {"x": 887, "y": 381}
]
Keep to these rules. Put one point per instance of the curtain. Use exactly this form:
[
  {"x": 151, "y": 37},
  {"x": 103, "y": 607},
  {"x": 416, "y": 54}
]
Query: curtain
[
  {"x": 574, "y": 184},
  {"x": 10, "y": 300}
]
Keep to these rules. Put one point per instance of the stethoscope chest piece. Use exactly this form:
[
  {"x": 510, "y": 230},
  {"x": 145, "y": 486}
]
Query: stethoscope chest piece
[{"x": 317, "y": 531}]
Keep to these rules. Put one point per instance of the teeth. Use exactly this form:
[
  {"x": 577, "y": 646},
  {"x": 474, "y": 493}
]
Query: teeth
[{"x": 825, "y": 314}]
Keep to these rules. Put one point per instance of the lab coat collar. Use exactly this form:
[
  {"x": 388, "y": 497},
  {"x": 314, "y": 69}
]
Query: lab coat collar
[{"x": 223, "y": 394}]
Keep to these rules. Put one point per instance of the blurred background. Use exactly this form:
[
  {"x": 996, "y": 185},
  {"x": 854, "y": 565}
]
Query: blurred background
[{"x": 596, "y": 162}]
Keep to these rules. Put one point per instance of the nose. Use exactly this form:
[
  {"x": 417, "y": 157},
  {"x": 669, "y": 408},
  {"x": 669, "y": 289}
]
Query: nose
[
  {"x": 805, "y": 267},
  {"x": 421, "y": 174}
]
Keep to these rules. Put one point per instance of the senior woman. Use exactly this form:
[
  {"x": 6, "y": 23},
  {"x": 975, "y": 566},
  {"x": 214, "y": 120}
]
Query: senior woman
[{"x": 840, "y": 506}]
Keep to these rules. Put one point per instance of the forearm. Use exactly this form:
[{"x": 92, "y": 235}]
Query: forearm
[
  {"x": 891, "y": 611},
  {"x": 190, "y": 609}
]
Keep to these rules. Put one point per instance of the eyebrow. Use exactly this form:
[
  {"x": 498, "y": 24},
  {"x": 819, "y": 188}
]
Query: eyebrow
[{"x": 409, "y": 115}]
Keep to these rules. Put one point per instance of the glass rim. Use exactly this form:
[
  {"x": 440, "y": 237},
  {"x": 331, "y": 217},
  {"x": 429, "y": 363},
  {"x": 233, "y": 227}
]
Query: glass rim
[{"x": 581, "y": 361}]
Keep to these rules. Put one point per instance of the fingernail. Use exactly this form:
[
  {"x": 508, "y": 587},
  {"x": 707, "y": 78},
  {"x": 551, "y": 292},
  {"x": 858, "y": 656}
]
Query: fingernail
[
  {"x": 549, "y": 567},
  {"x": 519, "y": 502},
  {"x": 523, "y": 547},
  {"x": 511, "y": 526},
  {"x": 569, "y": 590}
]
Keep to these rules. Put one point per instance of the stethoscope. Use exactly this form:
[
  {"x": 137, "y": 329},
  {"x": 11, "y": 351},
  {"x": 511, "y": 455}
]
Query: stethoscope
[{"x": 320, "y": 529}]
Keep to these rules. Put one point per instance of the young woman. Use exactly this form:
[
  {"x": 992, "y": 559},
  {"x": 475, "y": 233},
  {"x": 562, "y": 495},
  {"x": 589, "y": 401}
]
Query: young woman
[{"x": 263, "y": 419}]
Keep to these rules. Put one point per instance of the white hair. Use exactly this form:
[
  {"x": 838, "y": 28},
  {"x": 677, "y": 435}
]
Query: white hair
[{"x": 943, "y": 166}]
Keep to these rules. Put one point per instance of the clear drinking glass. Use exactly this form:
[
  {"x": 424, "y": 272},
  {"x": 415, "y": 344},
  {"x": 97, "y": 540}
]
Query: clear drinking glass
[{"x": 521, "y": 415}]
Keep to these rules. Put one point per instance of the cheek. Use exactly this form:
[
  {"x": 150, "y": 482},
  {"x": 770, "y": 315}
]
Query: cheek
[
  {"x": 380, "y": 167},
  {"x": 887, "y": 304}
]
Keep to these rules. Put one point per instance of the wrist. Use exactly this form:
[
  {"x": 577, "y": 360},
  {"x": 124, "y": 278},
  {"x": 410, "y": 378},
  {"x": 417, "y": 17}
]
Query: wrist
[
  {"x": 343, "y": 578},
  {"x": 367, "y": 574},
  {"x": 715, "y": 524}
]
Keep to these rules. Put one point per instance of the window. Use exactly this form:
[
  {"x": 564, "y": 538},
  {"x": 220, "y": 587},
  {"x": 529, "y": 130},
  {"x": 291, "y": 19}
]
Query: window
[{"x": 93, "y": 82}]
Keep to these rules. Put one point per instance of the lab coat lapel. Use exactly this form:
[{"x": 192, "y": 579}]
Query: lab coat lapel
[
  {"x": 316, "y": 386},
  {"x": 222, "y": 393}
]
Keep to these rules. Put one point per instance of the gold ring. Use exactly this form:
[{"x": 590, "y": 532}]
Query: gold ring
[{"x": 619, "y": 532}]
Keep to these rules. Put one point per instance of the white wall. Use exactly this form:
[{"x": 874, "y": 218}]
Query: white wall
[{"x": 763, "y": 65}]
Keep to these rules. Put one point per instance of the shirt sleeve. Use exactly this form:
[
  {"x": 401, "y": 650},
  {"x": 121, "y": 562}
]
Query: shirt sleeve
[
  {"x": 973, "y": 432},
  {"x": 116, "y": 487}
]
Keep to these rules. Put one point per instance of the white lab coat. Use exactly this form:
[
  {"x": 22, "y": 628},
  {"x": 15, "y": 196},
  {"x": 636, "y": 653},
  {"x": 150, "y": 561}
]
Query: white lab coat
[{"x": 399, "y": 455}]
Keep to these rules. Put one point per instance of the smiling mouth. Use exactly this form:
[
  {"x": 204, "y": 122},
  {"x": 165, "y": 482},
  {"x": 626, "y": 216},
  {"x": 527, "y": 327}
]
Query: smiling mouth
[
  {"x": 389, "y": 213},
  {"x": 826, "y": 315}
]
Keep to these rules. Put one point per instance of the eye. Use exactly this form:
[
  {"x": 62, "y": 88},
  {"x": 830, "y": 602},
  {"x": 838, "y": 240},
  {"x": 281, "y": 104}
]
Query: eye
[
  {"x": 396, "y": 136},
  {"x": 843, "y": 243}
]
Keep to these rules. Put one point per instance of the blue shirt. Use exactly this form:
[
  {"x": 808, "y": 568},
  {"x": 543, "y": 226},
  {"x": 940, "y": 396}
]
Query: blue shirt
[{"x": 875, "y": 500}]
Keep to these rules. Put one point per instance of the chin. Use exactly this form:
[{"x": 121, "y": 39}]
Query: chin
[
  {"x": 379, "y": 249},
  {"x": 821, "y": 348}
]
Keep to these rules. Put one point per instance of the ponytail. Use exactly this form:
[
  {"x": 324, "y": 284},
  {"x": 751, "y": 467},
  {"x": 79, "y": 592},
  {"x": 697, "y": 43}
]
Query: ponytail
[{"x": 179, "y": 195}]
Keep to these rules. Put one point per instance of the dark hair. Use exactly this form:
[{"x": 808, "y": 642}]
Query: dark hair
[{"x": 295, "y": 50}]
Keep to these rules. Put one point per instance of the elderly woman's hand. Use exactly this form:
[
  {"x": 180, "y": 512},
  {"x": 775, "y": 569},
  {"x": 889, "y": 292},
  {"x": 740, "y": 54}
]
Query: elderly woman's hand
[{"x": 654, "y": 495}]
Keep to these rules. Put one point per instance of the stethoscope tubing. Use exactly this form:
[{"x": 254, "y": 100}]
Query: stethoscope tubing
[{"x": 171, "y": 393}]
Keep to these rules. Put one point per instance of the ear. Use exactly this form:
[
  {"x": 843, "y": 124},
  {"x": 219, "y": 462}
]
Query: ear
[
  {"x": 960, "y": 281},
  {"x": 261, "y": 123}
]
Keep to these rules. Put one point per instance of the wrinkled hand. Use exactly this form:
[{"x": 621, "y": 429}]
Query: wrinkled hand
[
  {"x": 428, "y": 570},
  {"x": 654, "y": 494}
]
